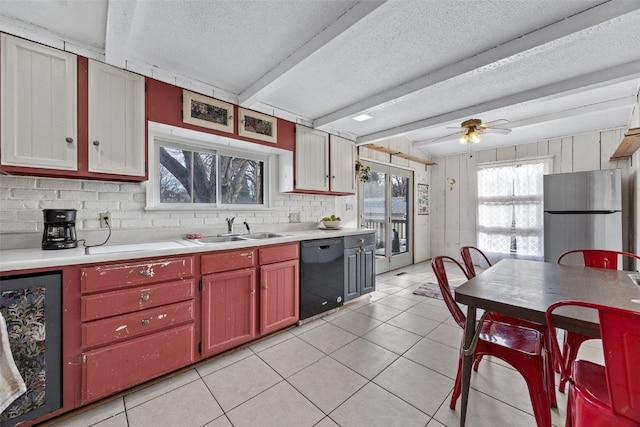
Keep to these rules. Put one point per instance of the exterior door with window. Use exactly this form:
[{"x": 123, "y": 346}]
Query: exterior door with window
[{"x": 386, "y": 206}]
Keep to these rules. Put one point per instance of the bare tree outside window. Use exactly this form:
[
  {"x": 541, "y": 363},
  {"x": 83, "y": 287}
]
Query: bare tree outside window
[
  {"x": 241, "y": 181},
  {"x": 187, "y": 176},
  {"x": 191, "y": 177}
]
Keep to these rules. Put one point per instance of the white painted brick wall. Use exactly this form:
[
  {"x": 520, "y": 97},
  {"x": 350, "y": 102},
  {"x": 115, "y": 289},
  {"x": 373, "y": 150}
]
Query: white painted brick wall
[{"x": 23, "y": 198}]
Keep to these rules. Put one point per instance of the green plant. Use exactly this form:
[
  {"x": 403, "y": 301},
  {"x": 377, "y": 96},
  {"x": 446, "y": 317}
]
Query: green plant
[{"x": 363, "y": 171}]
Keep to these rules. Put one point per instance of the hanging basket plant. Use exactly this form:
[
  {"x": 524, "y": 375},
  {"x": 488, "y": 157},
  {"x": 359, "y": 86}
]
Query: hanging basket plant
[{"x": 362, "y": 171}]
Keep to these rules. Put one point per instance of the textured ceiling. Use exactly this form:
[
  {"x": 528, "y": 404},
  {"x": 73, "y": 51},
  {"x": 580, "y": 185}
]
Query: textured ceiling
[{"x": 551, "y": 68}]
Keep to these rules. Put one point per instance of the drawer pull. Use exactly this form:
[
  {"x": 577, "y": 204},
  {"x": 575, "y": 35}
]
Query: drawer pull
[
  {"x": 146, "y": 273},
  {"x": 265, "y": 287},
  {"x": 253, "y": 291},
  {"x": 144, "y": 297},
  {"x": 145, "y": 322}
]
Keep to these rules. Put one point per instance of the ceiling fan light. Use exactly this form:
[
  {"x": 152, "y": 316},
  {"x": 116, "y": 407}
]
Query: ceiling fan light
[
  {"x": 474, "y": 137},
  {"x": 464, "y": 139}
]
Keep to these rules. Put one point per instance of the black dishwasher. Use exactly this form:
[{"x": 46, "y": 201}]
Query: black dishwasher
[{"x": 321, "y": 275}]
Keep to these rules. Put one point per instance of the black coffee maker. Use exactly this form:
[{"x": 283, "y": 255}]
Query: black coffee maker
[{"x": 59, "y": 229}]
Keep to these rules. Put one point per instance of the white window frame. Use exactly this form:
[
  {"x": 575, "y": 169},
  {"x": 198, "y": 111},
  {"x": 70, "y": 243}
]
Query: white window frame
[
  {"x": 161, "y": 134},
  {"x": 548, "y": 168}
]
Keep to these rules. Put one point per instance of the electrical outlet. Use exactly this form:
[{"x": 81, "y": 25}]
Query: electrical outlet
[
  {"x": 294, "y": 217},
  {"x": 105, "y": 217}
]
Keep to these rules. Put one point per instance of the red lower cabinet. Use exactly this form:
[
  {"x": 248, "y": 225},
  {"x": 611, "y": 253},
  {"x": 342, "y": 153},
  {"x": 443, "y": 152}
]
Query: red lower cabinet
[
  {"x": 241, "y": 300},
  {"x": 119, "y": 366},
  {"x": 137, "y": 322}
]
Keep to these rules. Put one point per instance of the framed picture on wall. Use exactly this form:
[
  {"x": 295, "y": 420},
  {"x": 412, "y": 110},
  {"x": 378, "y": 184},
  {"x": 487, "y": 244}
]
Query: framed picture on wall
[
  {"x": 207, "y": 112},
  {"x": 423, "y": 199},
  {"x": 257, "y": 126}
]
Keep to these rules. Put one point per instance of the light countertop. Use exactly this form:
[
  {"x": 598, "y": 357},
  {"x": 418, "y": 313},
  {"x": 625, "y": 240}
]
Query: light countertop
[{"x": 15, "y": 260}]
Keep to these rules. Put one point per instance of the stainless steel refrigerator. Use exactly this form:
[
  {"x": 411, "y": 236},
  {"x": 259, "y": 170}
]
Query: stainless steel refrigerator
[{"x": 582, "y": 210}]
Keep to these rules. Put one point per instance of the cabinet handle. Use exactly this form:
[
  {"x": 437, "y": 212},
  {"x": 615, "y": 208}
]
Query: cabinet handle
[
  {"x": 144, "y": 297},
  {"x": 96, "y": 142},
  {"x": 146, "y": 272},
  {"x": 69, "y": 139},
  {"x": 265, "y": 287},
  {"x": 252, "y": 292},
  {"x": 145, "y": 322}
]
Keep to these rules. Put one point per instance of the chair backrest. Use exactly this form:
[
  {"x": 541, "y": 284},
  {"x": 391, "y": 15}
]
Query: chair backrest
[
  {"x": 466, "y": 252},
  {"x": 620, "y": 333},
  {"x": 600, "y": 258},
  {"x": 437, "y": 264}
]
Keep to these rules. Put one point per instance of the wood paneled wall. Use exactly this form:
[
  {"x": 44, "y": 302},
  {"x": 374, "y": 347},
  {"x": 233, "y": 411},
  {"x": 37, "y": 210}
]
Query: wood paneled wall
[{"x": 454, "y": 184}]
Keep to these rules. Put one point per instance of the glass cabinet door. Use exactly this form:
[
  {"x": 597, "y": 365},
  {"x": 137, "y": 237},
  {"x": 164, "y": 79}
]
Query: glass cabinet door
[{"x": 31, "y": 306}]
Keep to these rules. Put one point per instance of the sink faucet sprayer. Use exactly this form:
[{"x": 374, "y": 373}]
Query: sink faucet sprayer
[
  {"x": 246, "y": 224},
  {"x": 230, "y": 224}
]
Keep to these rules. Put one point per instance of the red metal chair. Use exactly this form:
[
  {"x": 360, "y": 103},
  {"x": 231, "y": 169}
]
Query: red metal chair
[
  {"x": 609, "y": 395},
  {"x": 466, "y": 253},
  {"x": 520, "y": 347},
  {"x": 598, "y": 258}
]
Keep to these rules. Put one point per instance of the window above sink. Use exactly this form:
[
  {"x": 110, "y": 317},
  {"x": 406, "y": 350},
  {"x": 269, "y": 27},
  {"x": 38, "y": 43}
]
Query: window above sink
[{"x": 196, "y": 170}]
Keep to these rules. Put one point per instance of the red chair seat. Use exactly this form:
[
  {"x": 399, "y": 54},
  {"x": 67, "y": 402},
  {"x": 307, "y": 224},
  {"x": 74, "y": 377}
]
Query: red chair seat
[
  {"x": 590, "y": 377},
  {"x": 524, "y": 340}
]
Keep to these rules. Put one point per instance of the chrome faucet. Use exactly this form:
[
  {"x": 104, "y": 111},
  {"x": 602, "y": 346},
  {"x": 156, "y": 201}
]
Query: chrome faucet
[
  {"x": 230, "y": 224},
  {"x": 246, "y": 224}
]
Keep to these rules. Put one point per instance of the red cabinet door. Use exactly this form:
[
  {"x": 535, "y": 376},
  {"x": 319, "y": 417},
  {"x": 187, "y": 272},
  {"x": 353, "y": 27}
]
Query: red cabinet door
[
  {"x": 279, "y": 294},
  {"x": 228, "y": 310}
]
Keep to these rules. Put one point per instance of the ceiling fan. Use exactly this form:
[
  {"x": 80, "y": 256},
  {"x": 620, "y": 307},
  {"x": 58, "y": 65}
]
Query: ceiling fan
[
  {"x": 470, "y": 131},
  {"x": 472, "y": 128}
]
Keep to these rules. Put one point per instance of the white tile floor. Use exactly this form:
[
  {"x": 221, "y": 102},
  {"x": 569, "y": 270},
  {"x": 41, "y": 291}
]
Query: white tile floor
[{"x": 389, "y": 360}]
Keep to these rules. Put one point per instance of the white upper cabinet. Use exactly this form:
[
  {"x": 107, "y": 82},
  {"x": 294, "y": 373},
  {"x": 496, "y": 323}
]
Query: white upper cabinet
[
  {"x": 39, "y": 106},
  {"x": 116, "y": 121},
  {"x": 324, "y": 163},
  {"x": 312, "y": 159},
  {"x": 343, "y": 160}
]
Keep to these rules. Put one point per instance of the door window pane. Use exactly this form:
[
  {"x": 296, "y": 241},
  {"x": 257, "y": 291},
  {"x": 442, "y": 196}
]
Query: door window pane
[
  {"x": 399, "y": 214},
  {"x": 374, "y": 209}
]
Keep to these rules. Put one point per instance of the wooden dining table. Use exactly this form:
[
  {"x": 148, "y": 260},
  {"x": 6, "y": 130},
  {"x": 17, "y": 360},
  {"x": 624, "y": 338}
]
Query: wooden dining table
[{"x": 524, "y": 289}]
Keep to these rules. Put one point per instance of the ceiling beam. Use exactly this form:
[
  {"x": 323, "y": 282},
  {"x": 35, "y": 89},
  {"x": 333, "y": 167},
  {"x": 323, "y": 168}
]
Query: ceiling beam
[
  {"x": 526, "y": 45},
  {"x": 253, "y": 93},
  {"x": 611, "y": 104},
  {"x": 624, "y": 72},
  {"x": 120, "y": 15}
]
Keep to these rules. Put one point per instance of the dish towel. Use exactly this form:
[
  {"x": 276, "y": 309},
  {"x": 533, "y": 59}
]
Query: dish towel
[{"x": 11, "y": 383}]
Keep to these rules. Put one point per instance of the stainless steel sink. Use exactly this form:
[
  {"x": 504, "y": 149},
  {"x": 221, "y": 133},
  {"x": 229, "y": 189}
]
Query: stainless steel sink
[
  {"x": 257, "y": 236},
  {"x": 208, "y": 240},
  {"x": 218, "y": 239}
]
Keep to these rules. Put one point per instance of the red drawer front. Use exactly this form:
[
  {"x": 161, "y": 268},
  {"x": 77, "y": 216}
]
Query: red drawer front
[
  {"x": 131, "y": 325},
  {"x": 114, "y": 276},
  {"x": 117, "y": 367},
  {"x": 107, "y": 304},
  {"x": 228, "y": 260},
  {"x": 273, "y": 254}
]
